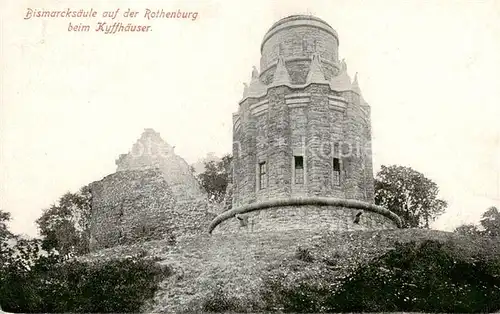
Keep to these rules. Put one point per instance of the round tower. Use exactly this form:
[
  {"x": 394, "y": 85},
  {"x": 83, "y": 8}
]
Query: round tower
[{"x": 302, "y": 139}]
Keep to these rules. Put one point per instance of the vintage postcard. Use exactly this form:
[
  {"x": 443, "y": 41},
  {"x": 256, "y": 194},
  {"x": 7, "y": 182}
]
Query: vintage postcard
[{"x": 249, "y": 156}]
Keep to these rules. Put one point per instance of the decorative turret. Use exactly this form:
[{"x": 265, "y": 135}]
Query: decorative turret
[
  {"x": 341, "y": 82},
  {"x": 281, "y": 76},
  {"x": 356, "y": 89},
  {"x": 315, "y": 74},
  {"x": 245, "y": 90},
  {"x": 256, "y": 88},
  {"x": 355, "y": 85}
]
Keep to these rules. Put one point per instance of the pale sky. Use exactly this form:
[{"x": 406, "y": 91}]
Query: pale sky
[{"x": 72, "y": 102}]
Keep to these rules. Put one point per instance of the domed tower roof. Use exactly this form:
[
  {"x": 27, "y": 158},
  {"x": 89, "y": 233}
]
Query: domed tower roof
[
  {"x": 296, "y": 39},
  {"x": 298, "y": 20}
]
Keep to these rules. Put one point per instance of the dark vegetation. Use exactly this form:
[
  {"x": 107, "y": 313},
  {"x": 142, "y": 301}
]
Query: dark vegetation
[
  {"x": 49, "y": 286},
  {"x": 409, "y": 194},
  {"x": 215, "y": 178},
  {"x": 489, "y": 225},
  {"x": 427, "y": 277},
  {"x": 36, "y": 278},
  {"x": 430, "y": 276}
]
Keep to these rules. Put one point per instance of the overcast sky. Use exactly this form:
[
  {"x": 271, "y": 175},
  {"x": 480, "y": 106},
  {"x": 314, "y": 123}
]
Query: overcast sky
[{"x": 72, "y": 102}]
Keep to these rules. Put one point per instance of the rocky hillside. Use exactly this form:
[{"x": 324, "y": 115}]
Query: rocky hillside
[{"x": 235, "y": 268}]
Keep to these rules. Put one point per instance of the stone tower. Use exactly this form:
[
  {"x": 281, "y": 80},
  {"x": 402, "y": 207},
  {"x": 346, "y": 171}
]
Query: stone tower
[
  {"x": 302, "y": 128},
  {"x": 302, "y": 135}
]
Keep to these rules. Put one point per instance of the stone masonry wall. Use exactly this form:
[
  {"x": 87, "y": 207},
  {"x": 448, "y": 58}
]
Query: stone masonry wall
[
  {"x": 300, "y": 40},
  {"x": 318, "y": 142},
  {"x": 306, "y": 218},
  {"x": 152, "y": 151},
  {"x": 298, "y": 70},
  {"x": 129, "y": 205},
  {"x": 138, "y": 205},
  {"x": 311, "y": 128}
]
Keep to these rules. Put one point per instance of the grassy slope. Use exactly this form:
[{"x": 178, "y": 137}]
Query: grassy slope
[{"x": 238, "y": 262}]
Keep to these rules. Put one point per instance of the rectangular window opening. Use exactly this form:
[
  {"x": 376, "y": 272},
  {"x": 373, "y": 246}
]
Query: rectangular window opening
[
  {"x": 262, "y": 175},
  {"x": 299, "y": 169},
  {"x": 336, "y": 171}
]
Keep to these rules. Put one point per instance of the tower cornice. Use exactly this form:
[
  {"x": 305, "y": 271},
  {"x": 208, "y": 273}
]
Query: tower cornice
[{"x": 296, "y": 21}]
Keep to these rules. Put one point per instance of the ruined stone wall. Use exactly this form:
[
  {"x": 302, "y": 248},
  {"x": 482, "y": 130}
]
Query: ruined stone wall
[
  {"x": 306, "y": 218},
  {"x": 129, "y": 205},
  {"x": 151, "y": 151},
  {"x": 139, "y": 205}
]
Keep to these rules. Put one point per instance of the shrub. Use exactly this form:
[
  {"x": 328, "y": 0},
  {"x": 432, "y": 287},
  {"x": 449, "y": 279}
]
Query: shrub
[
  {"x": 52, "y": 286},
  {"x": 426, "y": 277},
  {"x": 219, "y": 301},
  {"x": 304, "y": 254},
  {"x": 431, "y": 277},
  {"x": 303, "y": 297}
]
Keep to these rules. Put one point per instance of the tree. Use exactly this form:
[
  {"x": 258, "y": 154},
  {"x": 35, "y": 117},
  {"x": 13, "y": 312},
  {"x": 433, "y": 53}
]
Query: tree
[
  {"x": 216, "y": 177},
  {"x": 5, "y": 235},
  {"x": 409, "y": 194},
  {"x": 65, "y": 225},
  {"x": 490, "y": 221},
  {"x": 4, "y": 230},
  {"x": 468, "y": 229}
]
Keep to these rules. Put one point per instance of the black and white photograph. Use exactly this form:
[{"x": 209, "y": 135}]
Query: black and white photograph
[{"x": 264, "y": 156}]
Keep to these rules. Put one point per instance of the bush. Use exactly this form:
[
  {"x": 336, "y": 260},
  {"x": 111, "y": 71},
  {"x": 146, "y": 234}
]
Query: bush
[
  {"x": 218, "y": 300},
  {"x": 52, "y": 286},
  {"x": 428, "y": 277},
  {"x": 303, "y": 297},
  {"x": 304, "y": 254}
]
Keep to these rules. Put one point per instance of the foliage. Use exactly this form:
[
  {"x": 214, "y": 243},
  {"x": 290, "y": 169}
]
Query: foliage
[
  {"x": 51, "y": 285},
  {"x": 468, "y": 229},
  {"x": 489, "y": 225},
  {"x": 4, "y": 230},
  {"x": 65, "y": 225},
  {"x": 219, "y": 301},
  {"x": 490, "y": 221},
  {"x": 305, "y": 296},
  {"x": 33, "y": 280},
  {"x": 409, "y": 194},
  {"x": 432, "y": 277},
  {"x": 304, "y": 254},
  {"x": 216, "y": 177},
  {"x": 426, "y": 277}
]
